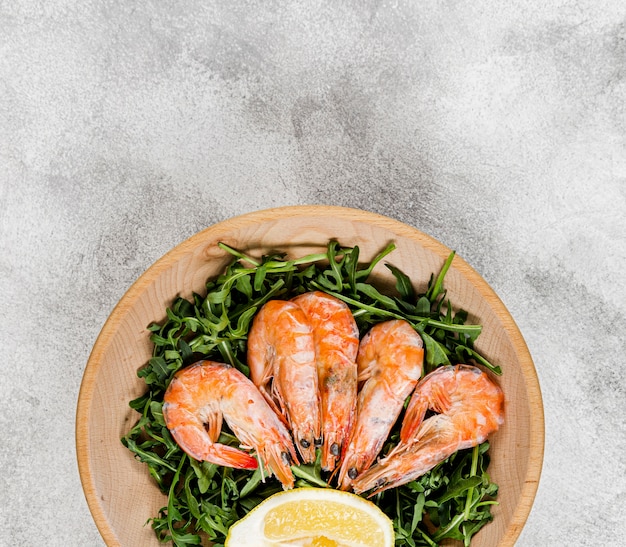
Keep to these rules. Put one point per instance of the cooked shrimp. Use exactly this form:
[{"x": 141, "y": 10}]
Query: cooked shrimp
[
  {"x": 389, "y": 361},
  {"x": 197, "y": 400},
  {"x": 470, "y": 407},
  {"x": 281, "y": 356},
  {"x": 336, "y": 344}
]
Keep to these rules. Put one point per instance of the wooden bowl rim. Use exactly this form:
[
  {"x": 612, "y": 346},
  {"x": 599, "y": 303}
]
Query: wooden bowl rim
[{"x": 85, "y": 396}]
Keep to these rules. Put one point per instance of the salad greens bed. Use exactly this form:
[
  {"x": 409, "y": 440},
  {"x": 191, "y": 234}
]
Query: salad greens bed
[{"x": 453, "y": 500}]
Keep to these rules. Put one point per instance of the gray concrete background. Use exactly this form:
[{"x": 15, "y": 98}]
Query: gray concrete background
[{"x": 497, "y": 127}]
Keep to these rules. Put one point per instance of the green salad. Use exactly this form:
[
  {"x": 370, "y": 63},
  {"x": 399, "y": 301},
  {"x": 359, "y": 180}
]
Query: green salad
[{"x": 452, "y": 501}]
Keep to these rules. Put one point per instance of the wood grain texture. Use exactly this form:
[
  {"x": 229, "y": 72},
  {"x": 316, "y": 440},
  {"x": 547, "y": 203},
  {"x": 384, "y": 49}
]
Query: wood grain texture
[{"x": 119, "y": 491}]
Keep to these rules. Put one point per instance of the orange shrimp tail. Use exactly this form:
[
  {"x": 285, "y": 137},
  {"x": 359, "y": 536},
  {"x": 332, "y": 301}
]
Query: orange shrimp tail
[
  {"x": 229, "y": 456},
  {"x": 193, "y": 441}
]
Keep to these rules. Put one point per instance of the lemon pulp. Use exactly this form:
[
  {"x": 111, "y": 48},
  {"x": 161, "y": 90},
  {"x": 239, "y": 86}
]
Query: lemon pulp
[{"x": 338, "y": 521}]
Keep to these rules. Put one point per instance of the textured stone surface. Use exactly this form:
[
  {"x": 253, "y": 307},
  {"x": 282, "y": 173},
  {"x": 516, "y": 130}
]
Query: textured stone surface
[{"x": 497, "y": 127}]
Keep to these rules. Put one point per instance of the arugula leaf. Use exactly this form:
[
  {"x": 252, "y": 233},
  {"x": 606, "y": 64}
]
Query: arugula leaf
[
  {"x": 311, "y": 473},
  {"x": 403, "y": 283}
]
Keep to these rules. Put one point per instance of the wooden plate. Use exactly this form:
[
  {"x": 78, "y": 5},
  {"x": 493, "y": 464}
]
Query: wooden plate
[{"x": 120, "y": 493}]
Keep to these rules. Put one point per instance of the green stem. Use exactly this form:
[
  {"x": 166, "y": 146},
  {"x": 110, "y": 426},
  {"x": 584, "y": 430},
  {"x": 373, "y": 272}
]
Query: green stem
[
  {"x": 237, "y": 253},
  {"x": 399, "y": 509},
  {"x": 419, "y": 323},
  {"x": 470, "y": 492},
  {"x": 280, "y": 266},
  {"x": 426, "y": 538},
  {"x": 170, "y": 496}
]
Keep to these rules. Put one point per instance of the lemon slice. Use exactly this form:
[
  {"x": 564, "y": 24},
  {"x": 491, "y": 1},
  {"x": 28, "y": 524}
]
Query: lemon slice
[{"x": 313, "y": 517}]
